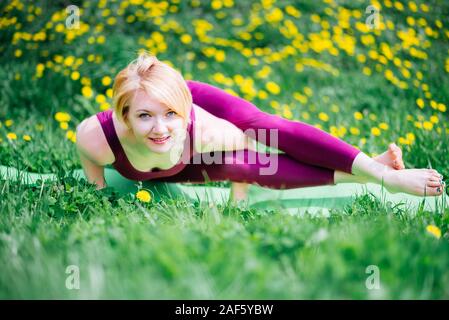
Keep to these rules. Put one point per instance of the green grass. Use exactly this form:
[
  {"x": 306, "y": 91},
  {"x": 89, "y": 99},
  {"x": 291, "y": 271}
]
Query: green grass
[{"x": 176, "y": 249}]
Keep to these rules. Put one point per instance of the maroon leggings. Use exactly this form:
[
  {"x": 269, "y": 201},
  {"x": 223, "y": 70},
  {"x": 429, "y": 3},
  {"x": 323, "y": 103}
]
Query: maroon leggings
[{"x": 310, "y": 155}]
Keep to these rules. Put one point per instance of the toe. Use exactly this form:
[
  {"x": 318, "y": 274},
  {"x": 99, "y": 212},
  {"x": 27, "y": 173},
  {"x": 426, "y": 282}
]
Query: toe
[
  {"x": 434, "y": 183},
  {"x": 398, "y": 163},
  {"x": 394, "y": 147},
  {"x": 439, "y": 190},
  {"x": 434, "y": 191}
]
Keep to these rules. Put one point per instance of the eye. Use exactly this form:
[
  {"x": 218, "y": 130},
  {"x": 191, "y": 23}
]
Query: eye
[
  {"x": 171, "y": 113},
  {"x": 143, "y": 114}
]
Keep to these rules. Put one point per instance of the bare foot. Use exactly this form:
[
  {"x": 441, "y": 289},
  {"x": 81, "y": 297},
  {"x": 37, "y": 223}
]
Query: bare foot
[
  {"x": 392, "y": 158},
  {"x": 419, "y": 182}
]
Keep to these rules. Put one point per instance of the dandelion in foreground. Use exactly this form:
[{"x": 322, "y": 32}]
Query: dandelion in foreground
[
  {"x": 143, "y": 196},
  {"x": 434, "y": 230}
]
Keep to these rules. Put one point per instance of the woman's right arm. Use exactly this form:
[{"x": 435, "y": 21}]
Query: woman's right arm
[{"x": 89, "y": 156}]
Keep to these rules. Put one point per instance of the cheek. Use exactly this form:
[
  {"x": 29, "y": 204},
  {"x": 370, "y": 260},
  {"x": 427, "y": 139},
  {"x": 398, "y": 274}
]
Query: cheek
[
  {"x": 177, "y": 126},
  {"x": 142, "y": 128}
]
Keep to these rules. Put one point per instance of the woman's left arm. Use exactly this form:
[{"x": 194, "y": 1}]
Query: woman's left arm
[{"x": 216, "y": 134}]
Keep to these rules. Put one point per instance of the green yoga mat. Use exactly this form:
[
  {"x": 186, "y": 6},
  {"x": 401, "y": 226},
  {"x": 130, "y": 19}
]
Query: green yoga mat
[{"x": 315, "y": 200}]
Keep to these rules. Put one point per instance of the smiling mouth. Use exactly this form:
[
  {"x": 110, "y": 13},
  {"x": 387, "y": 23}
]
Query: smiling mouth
[{"x": 159, "y": 140}]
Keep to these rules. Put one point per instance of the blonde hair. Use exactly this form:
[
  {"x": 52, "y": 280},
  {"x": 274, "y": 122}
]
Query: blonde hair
[{"x": 157, "y": 79}]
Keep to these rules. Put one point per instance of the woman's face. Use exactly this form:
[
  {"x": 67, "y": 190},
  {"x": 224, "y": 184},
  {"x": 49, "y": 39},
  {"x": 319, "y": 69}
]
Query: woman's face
[{"x": 155, "y": 125}]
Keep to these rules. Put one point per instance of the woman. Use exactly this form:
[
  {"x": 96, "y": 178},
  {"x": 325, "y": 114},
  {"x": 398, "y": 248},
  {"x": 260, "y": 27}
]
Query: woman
[{"x": 163, "y": 128}]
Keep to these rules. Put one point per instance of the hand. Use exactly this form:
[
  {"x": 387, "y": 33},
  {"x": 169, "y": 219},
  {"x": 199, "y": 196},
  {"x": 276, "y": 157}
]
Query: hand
[{"x": 239, "y": 191}]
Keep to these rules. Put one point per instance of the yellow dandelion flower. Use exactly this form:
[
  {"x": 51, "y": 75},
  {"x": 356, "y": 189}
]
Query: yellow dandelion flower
[
  {"x": 412, "y": 6},
  {"x": 106, "y": 81},
  {"x": 398, "y": 5},
  {"x": 75, "y": 75},
  {"x": 308, "y": 91},
  {"x": 287, "y": 112},
  {"x": 434, "y": 230},
  {"x": 262, "y": 94},
  {"x": 366, "y": 71},
  {"x": 300, "y": 97},
  {"x": 424, "y": 7},
  {"x": 87, "y": 91},
  {"x": 69, "y": 134},
  {"x": 427, "y": 125},
  {"x": 216, "y": 4},
  {"x": 361, "y": 58},
  {"x": 105, "y": 106},
  {"x": 220, "y": 55},
  {"x": 62, "y": 117},
  {"x": 323, "y": 116},
  {"x": 410, "y": 21},
  {"x": 383, "y": 126},
  {"x": 420, "y": 102},
  {"x": 64, "y": 125},
  {"x": 375, "y": 131},
  {"x": 355, "y": 131},
  {"x": 342, "y": 131},
  {"x": 100, "y": 98},
  {"x": 9, "y": 122},
  {"x": 11, "y": 136},
  {"x": 101, "y": 39},
  {"x": 305, "y": 115},
  {"x": 358, "y": 115},
  {"x": 26, "y": 137},
  {"x": 434, "y": 119},
  {"x": 433, "y": 104},
  {"x": 40, "y": 67},
  {"x": 143, "y": 196},
  {"x": 68, "y": 61},
  {"x": 441, "y": 107},
  {"x": 410, "y": 136},
  {"x": 109, "y": 93},
  {"x": 273, "y": 87},
  {"x": 402, "y": 140},
  {"x": 186, "y": 38},
  {"x": 18, "y": 53}
]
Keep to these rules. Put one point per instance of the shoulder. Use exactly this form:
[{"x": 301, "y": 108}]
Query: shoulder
[{"x": 91, "y": 141}]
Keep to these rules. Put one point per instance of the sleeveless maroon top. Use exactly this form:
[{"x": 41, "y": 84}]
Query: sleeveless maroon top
[{"x": 122, "y": 164}]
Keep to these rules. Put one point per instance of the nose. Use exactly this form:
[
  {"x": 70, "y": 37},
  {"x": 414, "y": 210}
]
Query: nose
[{"x": 159, "y": 127}]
